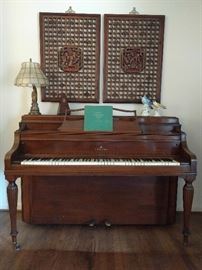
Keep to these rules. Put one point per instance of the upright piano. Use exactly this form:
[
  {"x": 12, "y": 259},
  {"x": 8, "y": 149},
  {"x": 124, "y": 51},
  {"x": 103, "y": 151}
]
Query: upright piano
[{"x": 127, "y": 176}]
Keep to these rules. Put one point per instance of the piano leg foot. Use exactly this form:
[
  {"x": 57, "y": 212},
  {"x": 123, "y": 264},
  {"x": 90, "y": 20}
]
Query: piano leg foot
[
  {"x": 185, "y": 241},
  {"x": 16, "y": 246},
  {"x": 188, "y": 192},
  {"x": 14, "y": 241},
  {"x": 186, "y": 234},
  {"x": 12, "y": 192}
]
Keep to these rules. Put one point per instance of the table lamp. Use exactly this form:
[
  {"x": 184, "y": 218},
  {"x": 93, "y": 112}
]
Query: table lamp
[{"x": 31, "y": 75}]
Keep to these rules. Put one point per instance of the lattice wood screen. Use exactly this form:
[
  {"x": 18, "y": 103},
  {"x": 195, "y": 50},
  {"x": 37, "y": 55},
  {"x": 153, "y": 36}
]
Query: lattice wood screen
[
  {"x": 70, "y": 56},
  {"x": 133, "y": 57}
]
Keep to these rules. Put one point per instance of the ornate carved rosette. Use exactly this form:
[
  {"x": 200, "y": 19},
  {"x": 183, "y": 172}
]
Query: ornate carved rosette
[
  {"x": 70, "y": 58},
  {"x": 132, "y": 60}
]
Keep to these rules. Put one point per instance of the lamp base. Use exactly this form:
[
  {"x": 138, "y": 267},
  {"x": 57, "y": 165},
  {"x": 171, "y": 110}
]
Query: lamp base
[{"x": 34, "y": 110}]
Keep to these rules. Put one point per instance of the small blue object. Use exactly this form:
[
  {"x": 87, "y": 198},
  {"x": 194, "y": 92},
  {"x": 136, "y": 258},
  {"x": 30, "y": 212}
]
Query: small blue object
[{"x": 146, "y": 100}]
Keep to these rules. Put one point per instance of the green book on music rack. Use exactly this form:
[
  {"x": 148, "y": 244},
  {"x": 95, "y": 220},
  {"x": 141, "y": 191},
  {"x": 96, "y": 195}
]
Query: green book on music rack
[{"x": 98, "y": 118}]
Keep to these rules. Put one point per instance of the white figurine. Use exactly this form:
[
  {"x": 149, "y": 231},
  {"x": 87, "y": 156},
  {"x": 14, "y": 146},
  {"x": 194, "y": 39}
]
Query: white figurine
[
  {"x": 149, "y": 104},
  {"x": 146, "y": 110},
  {"x": 157, "y": 108}
]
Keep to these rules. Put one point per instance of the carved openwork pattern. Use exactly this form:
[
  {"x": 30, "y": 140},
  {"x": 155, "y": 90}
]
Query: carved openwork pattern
[
  {"x": 70, "y": 48},
  {"x": 133, "y": 57}
]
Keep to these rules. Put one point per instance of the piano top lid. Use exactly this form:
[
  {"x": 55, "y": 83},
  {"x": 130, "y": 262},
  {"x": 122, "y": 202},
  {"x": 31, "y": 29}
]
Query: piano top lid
[
  {"x": 164, "y": 125},
  {"x": 48, "y": 118}
]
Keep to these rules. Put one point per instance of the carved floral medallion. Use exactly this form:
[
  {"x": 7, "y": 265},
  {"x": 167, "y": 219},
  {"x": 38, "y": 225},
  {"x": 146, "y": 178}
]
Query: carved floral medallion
[{"x": 70, "y": 58}]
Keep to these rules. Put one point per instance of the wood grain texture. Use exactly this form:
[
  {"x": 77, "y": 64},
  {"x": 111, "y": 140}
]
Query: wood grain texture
[
  {"x": 83, "y": 248},
  {"x": 166, "y": 141},
  {"x": 78, "y": 200}
]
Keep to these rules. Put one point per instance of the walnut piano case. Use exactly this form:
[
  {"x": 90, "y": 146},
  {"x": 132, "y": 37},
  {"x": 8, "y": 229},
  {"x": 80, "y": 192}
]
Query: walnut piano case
[{"x": 131, "y": 178}]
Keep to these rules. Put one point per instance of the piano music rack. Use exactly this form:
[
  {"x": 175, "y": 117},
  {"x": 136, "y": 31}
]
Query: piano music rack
[
  {"x": 69, "y": 111},
  {"x": 68, "y": 125}
]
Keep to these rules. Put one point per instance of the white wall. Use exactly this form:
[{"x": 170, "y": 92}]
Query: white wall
[{"x": 181, "y": 88}]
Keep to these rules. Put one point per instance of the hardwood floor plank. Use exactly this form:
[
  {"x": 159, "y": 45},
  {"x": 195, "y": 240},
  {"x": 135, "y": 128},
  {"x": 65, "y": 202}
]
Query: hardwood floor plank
[{"x": 56, "y": 247}]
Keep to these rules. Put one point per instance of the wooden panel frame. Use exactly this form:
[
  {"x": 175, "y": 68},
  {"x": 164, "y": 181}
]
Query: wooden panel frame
[
  {"x": 133, "y": 54},
  {"x": 67, "y": 36}
]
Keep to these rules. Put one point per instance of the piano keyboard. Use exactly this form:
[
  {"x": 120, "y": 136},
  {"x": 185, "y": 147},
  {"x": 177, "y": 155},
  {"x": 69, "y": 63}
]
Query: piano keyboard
[{"x": 100, "y": 162}]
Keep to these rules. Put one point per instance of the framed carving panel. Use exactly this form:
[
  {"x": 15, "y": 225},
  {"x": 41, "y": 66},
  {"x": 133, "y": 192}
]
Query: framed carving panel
[
  {"x": 133, "y": 57},
  {"x": 70, "y": 56}
]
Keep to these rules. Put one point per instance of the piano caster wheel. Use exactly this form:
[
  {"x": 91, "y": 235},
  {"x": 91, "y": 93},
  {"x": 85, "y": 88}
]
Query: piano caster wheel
[{"x": 107, "y": 224}]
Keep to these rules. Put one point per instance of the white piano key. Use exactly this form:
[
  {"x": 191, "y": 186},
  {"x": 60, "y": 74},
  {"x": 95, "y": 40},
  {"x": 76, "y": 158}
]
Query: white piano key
[{"x": 99, "y": 162}]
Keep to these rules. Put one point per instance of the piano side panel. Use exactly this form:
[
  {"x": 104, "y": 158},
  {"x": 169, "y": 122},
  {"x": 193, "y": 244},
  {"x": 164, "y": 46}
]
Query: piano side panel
[{"x": 120, "y": 200}]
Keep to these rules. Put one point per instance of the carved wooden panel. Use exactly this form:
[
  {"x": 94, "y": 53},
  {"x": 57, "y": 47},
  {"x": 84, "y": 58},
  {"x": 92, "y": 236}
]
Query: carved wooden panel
[
  {"x": 133, "y": 57},
  {"x": 70, "y": 56}
]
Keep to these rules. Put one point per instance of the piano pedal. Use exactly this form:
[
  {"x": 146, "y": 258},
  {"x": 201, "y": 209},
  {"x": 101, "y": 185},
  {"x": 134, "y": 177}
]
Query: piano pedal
[
  {"x": 92, "y": 223},
  {"x": 107, "y": 224}
]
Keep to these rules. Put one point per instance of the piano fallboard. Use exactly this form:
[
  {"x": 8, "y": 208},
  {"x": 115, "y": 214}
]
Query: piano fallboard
[{"x": 99, "y": 145}]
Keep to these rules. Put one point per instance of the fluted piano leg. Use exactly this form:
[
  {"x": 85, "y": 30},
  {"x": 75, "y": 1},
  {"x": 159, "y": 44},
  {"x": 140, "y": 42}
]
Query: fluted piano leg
[
  {"x": 188, "y": 193},
  {"x": 12, "y": 193}
]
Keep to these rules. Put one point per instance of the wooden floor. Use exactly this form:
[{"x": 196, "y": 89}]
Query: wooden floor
[{"x": 83, "y": 248}]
